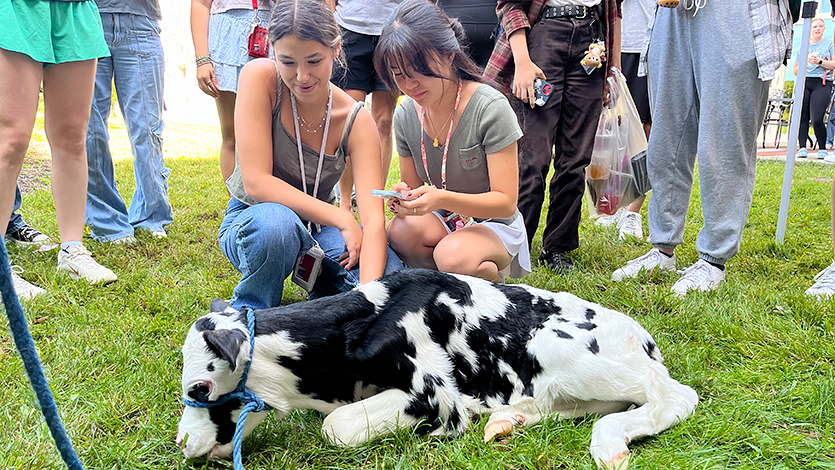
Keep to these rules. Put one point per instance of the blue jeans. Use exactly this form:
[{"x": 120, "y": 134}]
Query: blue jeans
[
  {"x": 263, "y": 242},
  {"x": 15, "y": 221},
  {"x": 830, "y": 128},
  {"x": 136, "y": 65}
]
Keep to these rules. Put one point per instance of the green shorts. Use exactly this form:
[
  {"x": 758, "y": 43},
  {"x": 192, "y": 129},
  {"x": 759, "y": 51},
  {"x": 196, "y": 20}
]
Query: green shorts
[{"x": 52, "y": 32}]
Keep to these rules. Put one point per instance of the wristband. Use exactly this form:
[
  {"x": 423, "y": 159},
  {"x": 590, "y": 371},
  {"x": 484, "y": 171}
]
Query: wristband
[
  {"x": 820, "y": 61},
  {"x": 202, "y": 60}
]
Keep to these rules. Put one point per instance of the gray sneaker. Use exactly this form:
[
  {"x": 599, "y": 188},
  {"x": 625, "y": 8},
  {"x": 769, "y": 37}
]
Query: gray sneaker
[
  {"x": 27, "y": 236},
  {"x": 80, "y": 264},
  {"x": 650, "y": 263}
]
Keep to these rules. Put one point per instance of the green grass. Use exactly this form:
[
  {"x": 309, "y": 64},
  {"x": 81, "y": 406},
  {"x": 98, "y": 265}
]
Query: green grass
[{"x": 759, "y": 353}]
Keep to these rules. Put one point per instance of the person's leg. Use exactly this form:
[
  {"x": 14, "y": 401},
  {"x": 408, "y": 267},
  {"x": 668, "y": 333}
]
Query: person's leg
[
  {"x": 817, "y": 108},
  {"x": 138, "y": 68},
  {"x": 539, "y": 124},
  {"x": 803, "y": 132},
  {"x": 68, "y": 97},
  {"x": 20, "y": 79},
  {"x": 475, "y": 251},
  {"x": 414, "y": 238},
  {"x": 16, "y": 220},
  {"x": 106, "y": 213},
  {"x": 262, "y": 242},
  {"x": 226, "y": 113},
  {"x": 581, "y": 105},
  {"x": 830, "y": 128},
  {"x": 727, "y": 128},
  {"x": 383, "y": 103},
  {"x": 671, "y": 154}
]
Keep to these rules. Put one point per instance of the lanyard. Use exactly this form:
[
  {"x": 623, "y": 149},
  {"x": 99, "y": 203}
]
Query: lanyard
[
  {"x": 446, "y": 145},
  {"x": 321, "y": 150}
]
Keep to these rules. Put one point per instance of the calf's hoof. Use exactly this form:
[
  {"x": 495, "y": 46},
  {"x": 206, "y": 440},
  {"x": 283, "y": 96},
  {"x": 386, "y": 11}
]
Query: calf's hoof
[
  {"x": 501, "y": 428},
  {"x": 619, "y": 462}
]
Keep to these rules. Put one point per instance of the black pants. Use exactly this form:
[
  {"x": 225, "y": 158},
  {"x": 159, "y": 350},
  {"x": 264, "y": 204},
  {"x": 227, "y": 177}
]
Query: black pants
[
  {"x": 567, "y": 123},
  {"x": 815, "y": 101}
]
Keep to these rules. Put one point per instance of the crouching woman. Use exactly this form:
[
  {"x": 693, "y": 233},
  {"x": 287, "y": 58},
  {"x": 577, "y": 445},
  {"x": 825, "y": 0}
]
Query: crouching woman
[
  {"x": 294, "y": 131},
  {"x": 457, "y": 140}
]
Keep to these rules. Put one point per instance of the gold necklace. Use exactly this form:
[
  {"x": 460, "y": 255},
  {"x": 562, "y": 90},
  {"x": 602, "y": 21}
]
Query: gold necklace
[
  {"x": 304, "y": 122},
  {"x": 438, "y": 132}
]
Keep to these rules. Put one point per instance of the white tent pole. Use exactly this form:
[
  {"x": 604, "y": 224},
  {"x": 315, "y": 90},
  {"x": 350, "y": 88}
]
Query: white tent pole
[{"x": 808, "y": 11}]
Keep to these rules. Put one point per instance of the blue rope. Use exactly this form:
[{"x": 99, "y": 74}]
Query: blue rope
[
  {"x": 252, "y": 402},
  {"x": 26, "y": 346}
]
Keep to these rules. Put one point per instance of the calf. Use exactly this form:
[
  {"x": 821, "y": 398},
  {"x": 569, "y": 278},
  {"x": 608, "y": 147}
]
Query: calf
[{"x": 426, "y": 348}]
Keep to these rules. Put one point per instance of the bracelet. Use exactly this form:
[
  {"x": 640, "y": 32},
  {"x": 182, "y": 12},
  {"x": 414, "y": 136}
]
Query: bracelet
[{"x": 202, "y": 60}]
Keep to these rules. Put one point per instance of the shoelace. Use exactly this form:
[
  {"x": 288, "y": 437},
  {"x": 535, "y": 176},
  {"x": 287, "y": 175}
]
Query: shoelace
[
  {"x": 29, "y": 233},
  {"x": 82, "y": 257},
  {"x": 652, "y": 255},
  {"x": 17, "y": 269},
  {"x": 696, "y": 273},
  {"x": 629, "y": 223}
]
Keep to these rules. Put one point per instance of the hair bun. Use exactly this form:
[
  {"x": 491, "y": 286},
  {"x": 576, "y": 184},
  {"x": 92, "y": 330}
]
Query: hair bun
[{"x": 458, "y": 30}]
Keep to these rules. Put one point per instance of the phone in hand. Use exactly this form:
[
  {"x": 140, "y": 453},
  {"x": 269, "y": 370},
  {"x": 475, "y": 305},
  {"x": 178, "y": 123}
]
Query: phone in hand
[
  {"x": 541, "y": 91},
  {"x": 387, "y": 194}
]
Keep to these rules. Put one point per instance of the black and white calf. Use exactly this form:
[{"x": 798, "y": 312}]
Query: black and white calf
[{"x": 421, "y": 346}]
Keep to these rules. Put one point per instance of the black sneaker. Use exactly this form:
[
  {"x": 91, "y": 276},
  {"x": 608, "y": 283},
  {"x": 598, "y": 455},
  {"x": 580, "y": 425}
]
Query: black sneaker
[
  {"x": 560, "y": 263},
  {"x": 27, "y": 236}
]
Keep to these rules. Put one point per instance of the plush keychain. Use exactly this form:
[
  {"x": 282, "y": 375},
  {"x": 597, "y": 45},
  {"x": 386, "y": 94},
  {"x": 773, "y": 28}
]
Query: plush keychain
[
  {"x": 668, "y": 3},
  {"x": 595, "y": 56}
]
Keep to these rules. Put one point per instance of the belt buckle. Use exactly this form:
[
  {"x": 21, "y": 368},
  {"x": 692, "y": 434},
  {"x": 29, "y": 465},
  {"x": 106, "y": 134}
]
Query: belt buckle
[{"x": 585, "y": 11}]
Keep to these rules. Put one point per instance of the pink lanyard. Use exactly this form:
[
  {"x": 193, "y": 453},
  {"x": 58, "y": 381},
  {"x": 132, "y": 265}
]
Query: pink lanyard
[{"x": 446, "y": 145}]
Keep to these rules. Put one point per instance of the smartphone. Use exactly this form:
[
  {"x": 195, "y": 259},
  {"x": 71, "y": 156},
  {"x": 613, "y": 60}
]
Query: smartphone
[
  {"x": 387, "y": 194},
  {"x": 542, "y": 91}
]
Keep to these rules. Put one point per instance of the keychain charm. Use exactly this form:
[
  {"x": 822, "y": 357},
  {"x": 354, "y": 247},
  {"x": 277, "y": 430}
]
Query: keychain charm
[
  {"x": 668, "y": 3},
  {"x": 595, "y": 56}
]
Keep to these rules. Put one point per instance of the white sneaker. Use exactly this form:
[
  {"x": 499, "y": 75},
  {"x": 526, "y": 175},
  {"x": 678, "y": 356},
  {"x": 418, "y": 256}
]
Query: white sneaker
[
  {"x": 650, "y": 263},
  {"x": 77, "y": 261},
  {"x": 701, "y": 276},
  {"x": 25, "y": 290},
  {"x": 159, "y": 234},
  {"x": 824, "y": 285},
  {"x": 830, "y": 158},
  {"x": 629, "y": 225},
  {"x": 608, "y": 220},
  {"x": 126, "y": 240}
]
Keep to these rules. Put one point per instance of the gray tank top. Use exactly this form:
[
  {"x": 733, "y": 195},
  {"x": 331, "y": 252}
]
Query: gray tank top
[{"x": 286, "y": 160}]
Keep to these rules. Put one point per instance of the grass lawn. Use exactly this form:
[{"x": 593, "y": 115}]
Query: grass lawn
[{"x": 759, "y": 353}]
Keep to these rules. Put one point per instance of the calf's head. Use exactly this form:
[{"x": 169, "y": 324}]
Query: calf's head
[{"x": 215, "y": 352}]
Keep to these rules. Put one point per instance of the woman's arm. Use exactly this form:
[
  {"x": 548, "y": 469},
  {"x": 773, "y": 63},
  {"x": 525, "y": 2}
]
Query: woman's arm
[
  {"x": 200, "y": 12},
  {"x": 371, "y": 245},
  {"x": 253, "y": 128},
  {"x": 499, "y": 202}
]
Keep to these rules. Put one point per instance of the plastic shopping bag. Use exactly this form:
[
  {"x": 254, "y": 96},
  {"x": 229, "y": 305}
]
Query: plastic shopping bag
[{"x": 610, "y": 176}]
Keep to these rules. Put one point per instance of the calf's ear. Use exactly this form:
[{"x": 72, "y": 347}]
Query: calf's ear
[
  {"x": 218, "y": 306},
  {"x": 226, "y": 344}
]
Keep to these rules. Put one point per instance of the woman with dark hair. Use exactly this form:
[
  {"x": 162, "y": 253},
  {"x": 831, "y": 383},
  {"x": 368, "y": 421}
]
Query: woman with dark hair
[
  {"x": 456, "y": 136},
  {"x": 294, "y": 132}
]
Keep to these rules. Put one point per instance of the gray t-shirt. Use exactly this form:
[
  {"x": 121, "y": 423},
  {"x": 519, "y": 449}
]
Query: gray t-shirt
[
  {"x": 286, "y": 160},
  {"x": 364, "y": 16},
  {"x": 633, "y": 26},
  {"x": 487, "y": 125},
  {"x": 149, "y": 8}
]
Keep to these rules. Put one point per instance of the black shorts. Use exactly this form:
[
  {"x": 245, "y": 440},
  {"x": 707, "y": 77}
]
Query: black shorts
[
  {"x": 359, "y": 73},
  {"x": 638, "y": 86}
]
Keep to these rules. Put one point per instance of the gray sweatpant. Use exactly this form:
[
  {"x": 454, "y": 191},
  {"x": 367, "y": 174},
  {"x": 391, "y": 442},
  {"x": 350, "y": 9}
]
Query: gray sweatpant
[{"x": 706, "y": 100}]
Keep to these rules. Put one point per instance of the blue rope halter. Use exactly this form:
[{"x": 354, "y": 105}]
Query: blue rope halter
[
  {"x": 251, "y": 401},
  {"x": 26, "y": 346}
]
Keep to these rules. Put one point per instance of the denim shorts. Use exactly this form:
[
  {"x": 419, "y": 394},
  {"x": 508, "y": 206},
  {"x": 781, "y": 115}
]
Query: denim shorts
[{"x": 228, "y": 38}]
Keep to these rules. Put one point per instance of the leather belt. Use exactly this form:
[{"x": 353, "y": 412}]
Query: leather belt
[{"x": 578, "y": 11}]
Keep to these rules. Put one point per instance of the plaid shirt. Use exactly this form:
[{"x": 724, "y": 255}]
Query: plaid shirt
[{"x": 517, "y": 14}]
